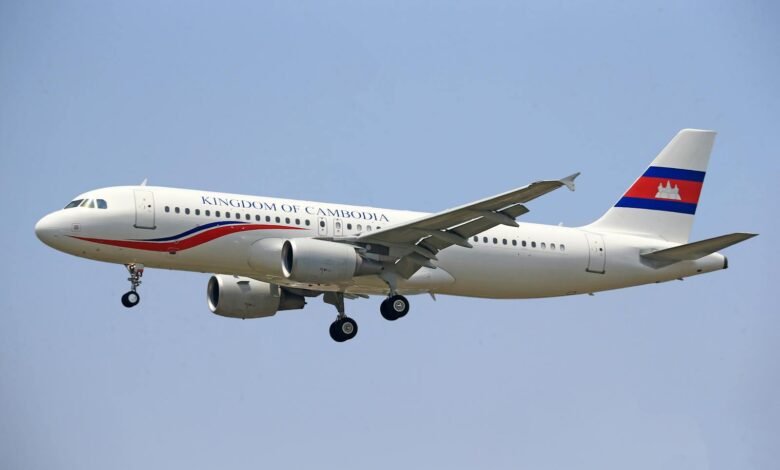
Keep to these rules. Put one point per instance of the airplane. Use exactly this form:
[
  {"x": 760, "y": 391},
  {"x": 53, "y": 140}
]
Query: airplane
[{"x": 270, "y": 254}]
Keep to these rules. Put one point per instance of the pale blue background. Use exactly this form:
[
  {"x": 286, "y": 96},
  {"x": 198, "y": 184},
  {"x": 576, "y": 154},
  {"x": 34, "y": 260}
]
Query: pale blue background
[{"x": 400, "y": 105}]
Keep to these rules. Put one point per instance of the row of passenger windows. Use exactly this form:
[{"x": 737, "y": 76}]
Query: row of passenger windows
[
  {"x": 523, "y": 243},
  {"x": 88, "y": 203},
  {"x": 236, "y": 215},
  {"x": 259, "y": 218},
  {"x": 358, "y": 227}
]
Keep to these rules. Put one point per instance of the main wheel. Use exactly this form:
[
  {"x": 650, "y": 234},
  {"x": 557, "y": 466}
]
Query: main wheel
[
  {"x": 386, "y": 309},
  {"x": 131, "y": 299},
  {"x": 343, "y": 329},
  {"x": 335, "y": 334},
  {"x": 394, "y": 307}
]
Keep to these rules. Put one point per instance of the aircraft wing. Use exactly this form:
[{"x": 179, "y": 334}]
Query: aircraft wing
[{"x": 419, "y": 240}]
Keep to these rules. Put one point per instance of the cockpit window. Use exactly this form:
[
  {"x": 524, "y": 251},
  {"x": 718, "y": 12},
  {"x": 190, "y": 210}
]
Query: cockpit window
[{"x": 88, "y": 203}]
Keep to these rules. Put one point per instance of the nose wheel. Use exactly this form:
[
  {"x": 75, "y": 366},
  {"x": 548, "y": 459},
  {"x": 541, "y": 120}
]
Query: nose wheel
[{"x": 130, "y": 299}]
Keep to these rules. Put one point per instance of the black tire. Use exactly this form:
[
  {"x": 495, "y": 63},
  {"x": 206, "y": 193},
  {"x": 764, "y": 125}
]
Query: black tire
[
  {"x": 131, "y": 299},
  {"x": 335, "y": 332},
  {"x": 398, "y": 305},
  {"x": 386, "y": 309},
  {"x": 347, "y": 328}
]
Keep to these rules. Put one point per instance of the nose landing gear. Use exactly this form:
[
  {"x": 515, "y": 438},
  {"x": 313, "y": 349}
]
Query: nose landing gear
[{"x": 131, "y": 298}]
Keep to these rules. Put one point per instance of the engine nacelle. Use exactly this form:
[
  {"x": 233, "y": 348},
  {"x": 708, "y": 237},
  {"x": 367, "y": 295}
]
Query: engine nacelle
[
  {"x": 242, "y": 297},
  {"x": 323, "y": 262},
  {"x": 265, "y": 256}
]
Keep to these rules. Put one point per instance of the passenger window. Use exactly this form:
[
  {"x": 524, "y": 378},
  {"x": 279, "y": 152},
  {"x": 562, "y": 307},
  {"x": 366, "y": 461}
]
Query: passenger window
[
  {"x": 552, "y": 246},
  {"x": 349, "y": 226},
  {"x": 495, "y": 240},
  {"x": 322, "y": 223},
  {"x": 307, "y": 222},
  {"x": 197, "y": 211},
  {"x": 563, "y": 247},
  {"x": 217, "y": 213},
  {"x": 484, "y": 239},
  {"x": 524, "y": 243},
  {"x": 227, "y": 215},
  {"x": 73, "y": 204},
  {"x": 278, "y": 220},
  {"x": 187, "y": 211},
  {"x": 368, "y": 228},
  {"x": 208, "y": 212},
  {"x": 476, "y": 239},
  {"x": 504, "y": 241},
  {"x": 248, "y": 217},
  {"x": 533, "y": 244},
  {"x": 167, "y": 208},
  {"x": 338, "y": 225},
  {"x": 268, "y": 218},
  {"x": 514, "y": 242},
  {"x": 176, "y": 210},
  {"x": 378, "y": 227},
  {"x": 544, "y": 246},
  {"x": 101, "y": 203},
  {"x": 286, "y": 220},
  {"x": 359, "y": 228},
  {"x": 238, "y": 216},
  {"x": 257, "y": 218}
]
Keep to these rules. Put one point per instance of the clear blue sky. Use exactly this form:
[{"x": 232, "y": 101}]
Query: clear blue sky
[{"x": 399, "y": 105}]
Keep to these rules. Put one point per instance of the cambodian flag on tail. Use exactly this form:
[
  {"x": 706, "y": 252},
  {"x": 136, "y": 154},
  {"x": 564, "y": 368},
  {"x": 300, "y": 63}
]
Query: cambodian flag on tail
[{"x": 662, "y": 202}]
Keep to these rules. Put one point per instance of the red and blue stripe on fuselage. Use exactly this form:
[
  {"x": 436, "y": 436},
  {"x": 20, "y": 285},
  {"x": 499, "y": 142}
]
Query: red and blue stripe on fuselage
[
  {"x": 665, "y": 189},
  {"x": 190, "y": 238}
]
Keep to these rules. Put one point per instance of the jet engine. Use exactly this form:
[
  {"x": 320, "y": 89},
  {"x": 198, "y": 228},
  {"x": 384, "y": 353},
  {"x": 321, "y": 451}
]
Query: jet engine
[
  {"x": 322, "y": 262},
  {"x": 242, "y": 297}
]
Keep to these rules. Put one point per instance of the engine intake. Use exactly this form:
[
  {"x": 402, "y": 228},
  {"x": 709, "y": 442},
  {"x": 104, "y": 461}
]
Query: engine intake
[{"x": 242, "y": 297}]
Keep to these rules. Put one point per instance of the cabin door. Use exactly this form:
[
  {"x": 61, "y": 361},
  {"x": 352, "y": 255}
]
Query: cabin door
[
  {"x": 144, "y": 209},
  {"x": 597, "y": 253}
]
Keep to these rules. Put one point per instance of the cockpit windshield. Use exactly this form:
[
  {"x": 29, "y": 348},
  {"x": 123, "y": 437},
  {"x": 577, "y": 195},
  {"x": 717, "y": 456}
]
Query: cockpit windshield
[{"x": 88, "y": 203}]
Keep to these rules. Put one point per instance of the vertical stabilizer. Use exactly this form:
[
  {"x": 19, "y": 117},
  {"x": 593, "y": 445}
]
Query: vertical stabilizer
[{"x": 662, "y": 202}]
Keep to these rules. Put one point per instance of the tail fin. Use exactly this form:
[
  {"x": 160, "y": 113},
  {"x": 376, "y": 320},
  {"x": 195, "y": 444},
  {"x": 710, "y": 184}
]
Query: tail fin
[{"x": 662, "y": 202}]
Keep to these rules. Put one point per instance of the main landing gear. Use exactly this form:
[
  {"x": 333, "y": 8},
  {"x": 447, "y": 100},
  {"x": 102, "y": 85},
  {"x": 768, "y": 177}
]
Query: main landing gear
[
  {"x": 131, "y": 298},
  {"x": 394, "y": 307},
  {"x": 345, "y": 328}
]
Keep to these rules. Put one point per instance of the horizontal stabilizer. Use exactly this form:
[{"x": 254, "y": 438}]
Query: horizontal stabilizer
[{"x": 696, "y": 250}]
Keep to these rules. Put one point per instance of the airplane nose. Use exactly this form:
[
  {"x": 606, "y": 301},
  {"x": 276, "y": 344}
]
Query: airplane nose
[{"x": 46, "y": 230}]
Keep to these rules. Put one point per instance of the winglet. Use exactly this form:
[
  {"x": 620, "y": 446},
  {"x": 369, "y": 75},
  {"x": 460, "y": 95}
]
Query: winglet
[
  {"x": 143, "y": 183},
  {"x": 569, "y": 181}
]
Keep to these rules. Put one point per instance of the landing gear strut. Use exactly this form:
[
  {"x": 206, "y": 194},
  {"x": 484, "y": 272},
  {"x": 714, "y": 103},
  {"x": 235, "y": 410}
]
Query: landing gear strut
[
  {"x": 131, "y": 298},
  {"x": 394, "y": 307},
  {"x": 344, "y": 328}
]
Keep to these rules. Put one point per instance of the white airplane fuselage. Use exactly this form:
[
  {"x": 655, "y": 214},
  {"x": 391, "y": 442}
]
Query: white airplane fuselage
[{"x": 169, "y": 228}]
